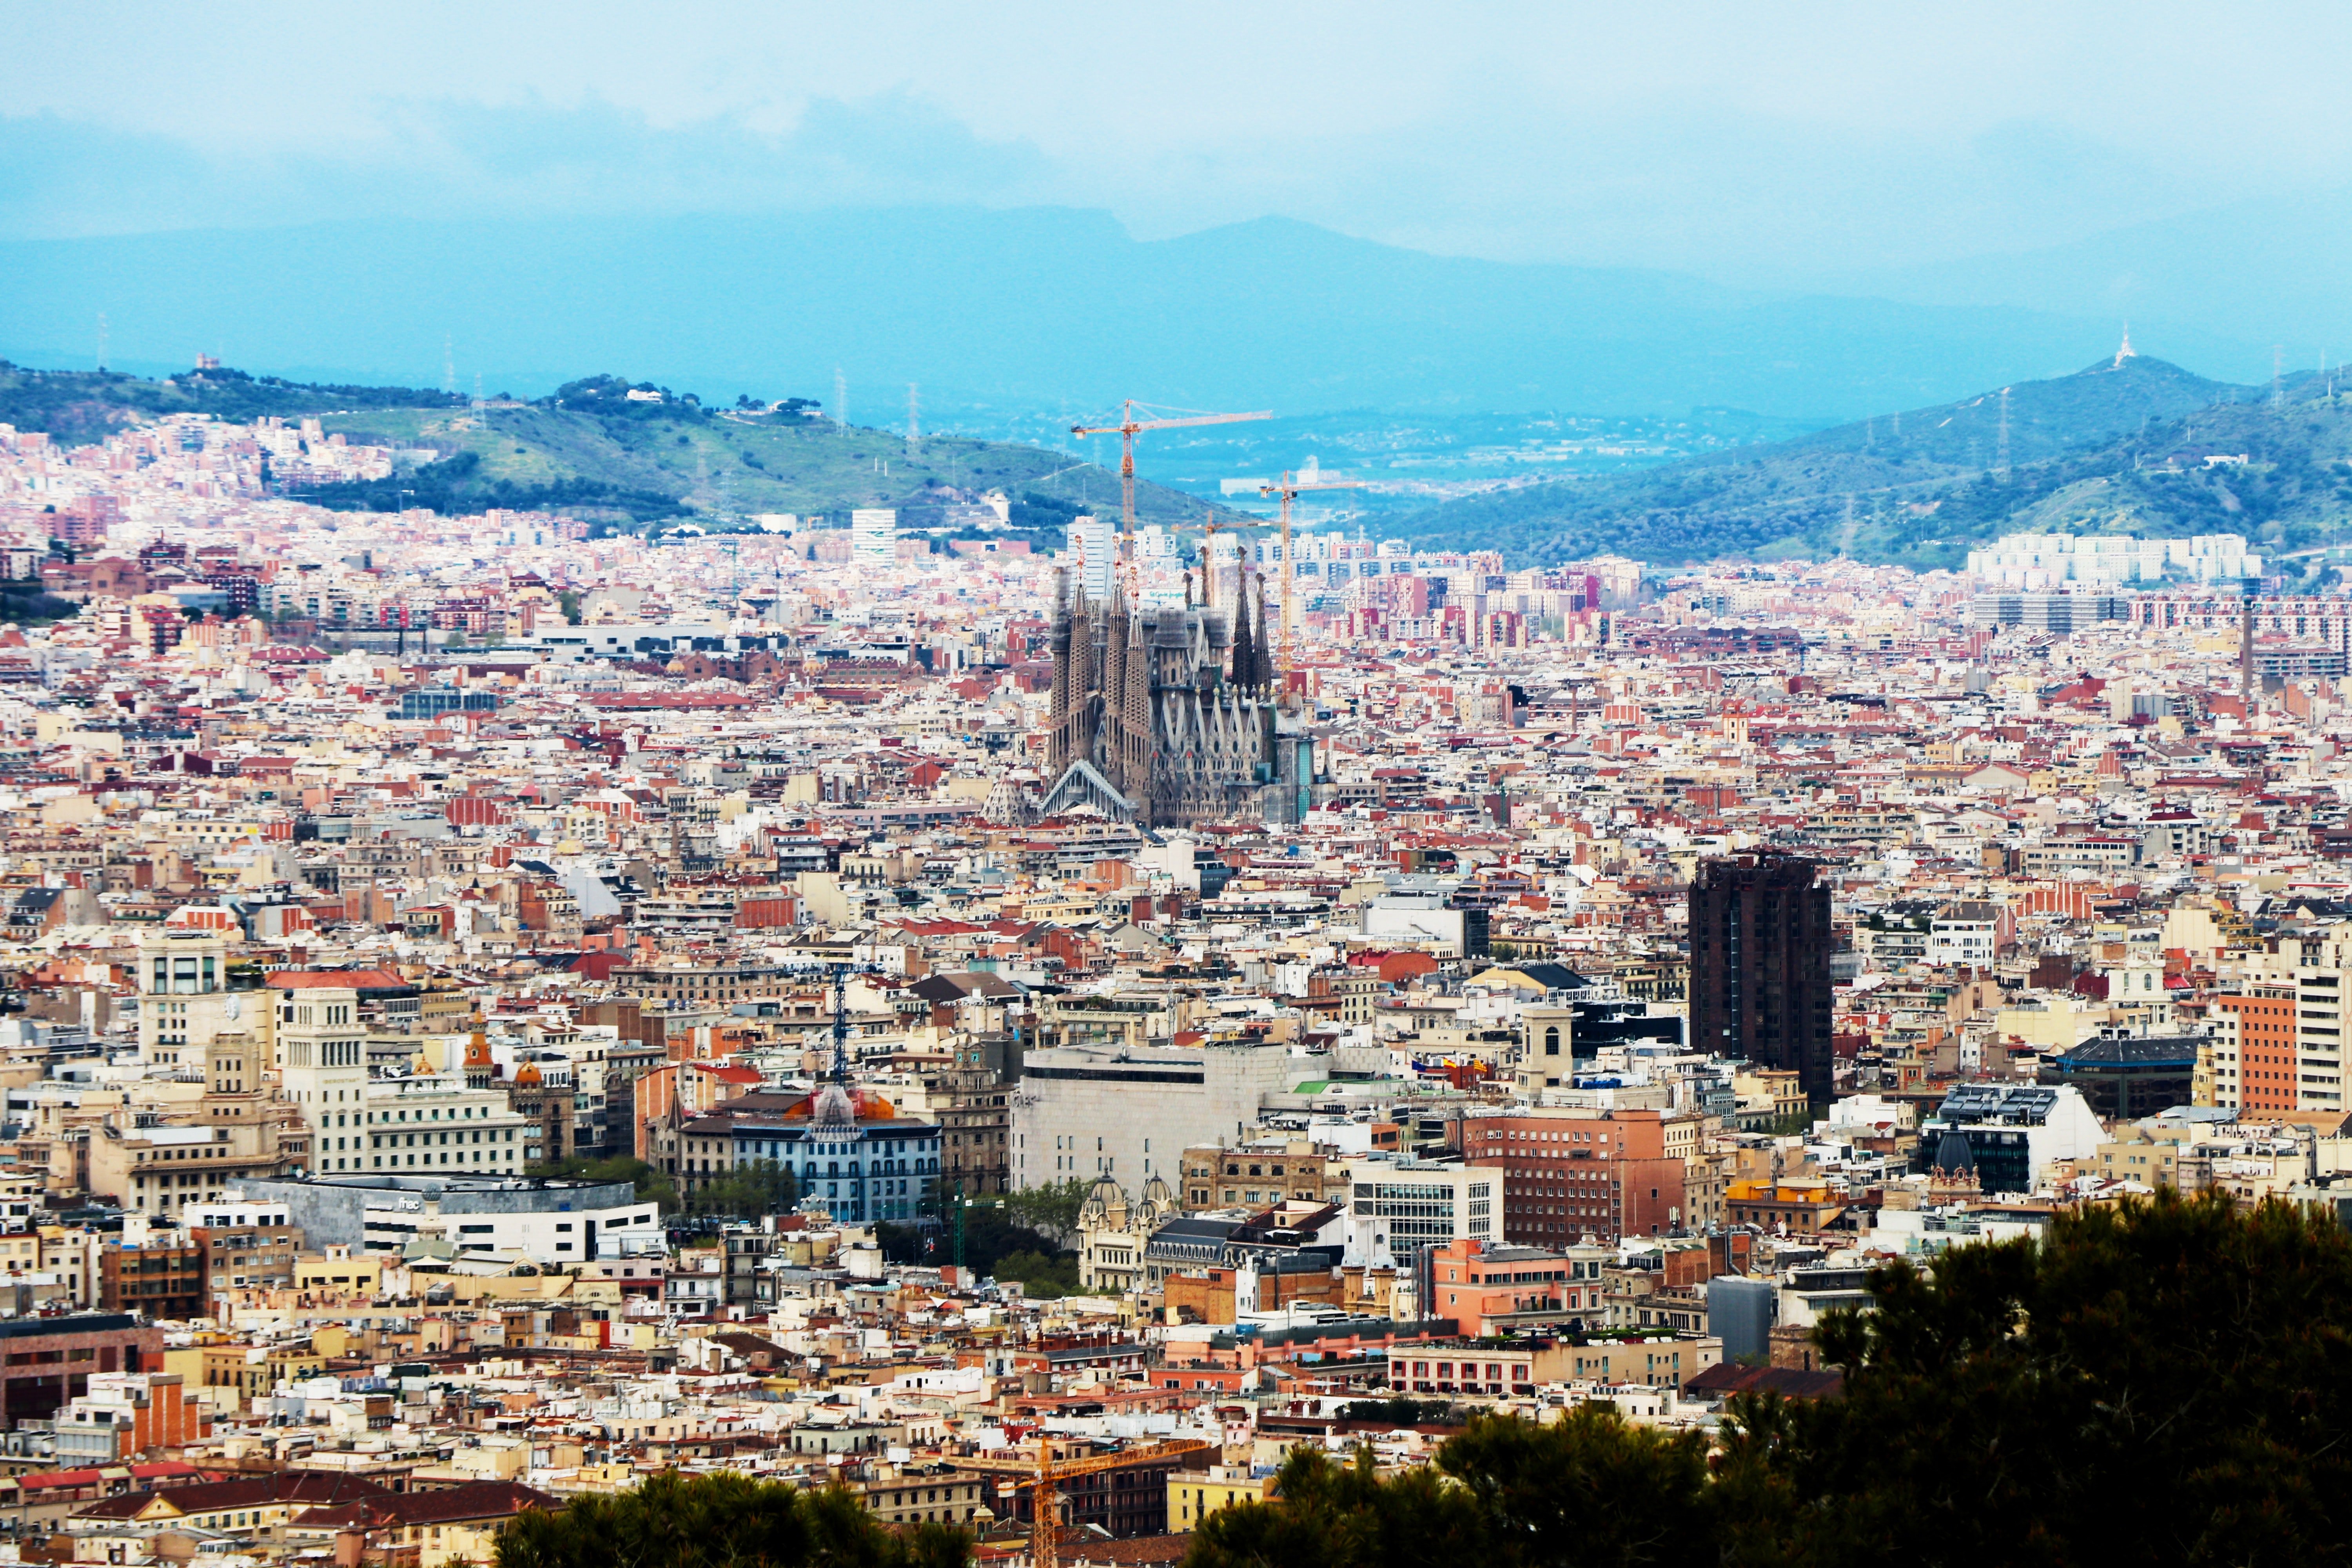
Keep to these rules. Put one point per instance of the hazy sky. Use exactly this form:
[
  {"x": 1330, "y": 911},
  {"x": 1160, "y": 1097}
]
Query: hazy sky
[{"x": 1750, "y": 143}]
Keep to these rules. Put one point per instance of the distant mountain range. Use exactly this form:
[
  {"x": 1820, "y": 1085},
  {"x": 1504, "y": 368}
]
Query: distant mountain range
[
  {"x": 1000, "y": 315},
  {"x": 2130, "y": 444}
]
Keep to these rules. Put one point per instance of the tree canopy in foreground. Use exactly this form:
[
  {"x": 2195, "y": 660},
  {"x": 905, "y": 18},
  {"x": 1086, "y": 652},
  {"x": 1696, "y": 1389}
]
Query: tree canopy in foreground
[
  {"x": 723, "y": 1520},
  {"x": 2167, "y": 1381}
]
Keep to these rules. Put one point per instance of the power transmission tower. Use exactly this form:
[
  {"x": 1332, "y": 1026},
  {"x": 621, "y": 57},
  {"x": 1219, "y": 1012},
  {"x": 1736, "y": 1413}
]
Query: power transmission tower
[{"x": 2278, "y": 366}]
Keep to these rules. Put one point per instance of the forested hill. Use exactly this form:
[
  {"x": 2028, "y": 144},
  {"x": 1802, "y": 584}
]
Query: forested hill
[
  {"x": 592, "y": 449},
  {"x": 77, "y": 407},
  {"x": 2120, "y": 445}
]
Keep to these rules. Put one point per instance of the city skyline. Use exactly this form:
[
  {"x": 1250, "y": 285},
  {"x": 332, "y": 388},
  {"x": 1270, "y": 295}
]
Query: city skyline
[{"x": 1331, "y": 785}]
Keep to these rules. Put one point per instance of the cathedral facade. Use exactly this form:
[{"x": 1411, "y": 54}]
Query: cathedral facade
[{"x": 1169, "y": 717}]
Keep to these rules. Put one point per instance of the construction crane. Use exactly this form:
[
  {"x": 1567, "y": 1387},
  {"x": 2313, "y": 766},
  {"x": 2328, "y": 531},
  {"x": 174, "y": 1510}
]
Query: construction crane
[
  {"x": 1045, "y": 1473},
  {"x": 1125, "y": 429},
  {"x": 1292, "y": 486}
]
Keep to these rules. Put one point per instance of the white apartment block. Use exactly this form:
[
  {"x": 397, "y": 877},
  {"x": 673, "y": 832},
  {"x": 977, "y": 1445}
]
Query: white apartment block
[
  {"x": 1424, "y": 1203},
  {"x": 2112, "y": 560},
  {"x": 2320, "y": 970}
]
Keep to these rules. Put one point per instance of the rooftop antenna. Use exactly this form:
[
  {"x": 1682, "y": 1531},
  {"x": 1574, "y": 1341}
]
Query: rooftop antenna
[
  {"x": 448, "y": 364},
  {"x": 101, "y": 342},
  {"x": 840, "y": 399}
]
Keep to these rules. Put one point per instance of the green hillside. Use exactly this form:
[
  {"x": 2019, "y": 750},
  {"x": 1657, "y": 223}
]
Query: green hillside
[
  {"x": 593, "y": 451},
  {"x": 77, "y": 408},
  {"x": 2118, "y": 446}
]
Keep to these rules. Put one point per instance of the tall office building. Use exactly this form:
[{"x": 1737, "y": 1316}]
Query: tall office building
[
  {"x": 1760, "y": 980},
  {"x": 322, "y": 1064},
  {"x": 1094, "y": 548}
]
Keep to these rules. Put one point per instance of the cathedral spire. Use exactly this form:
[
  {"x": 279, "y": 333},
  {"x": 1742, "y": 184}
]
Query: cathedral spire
[
  {"x": 1244, "y": 658},
  {"x": 1262, "y": 645},
  {"x": 1135, "y": 715}
]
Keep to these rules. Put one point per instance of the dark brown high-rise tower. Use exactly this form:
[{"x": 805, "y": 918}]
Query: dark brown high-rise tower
[{"x": 1759, "y": 979}]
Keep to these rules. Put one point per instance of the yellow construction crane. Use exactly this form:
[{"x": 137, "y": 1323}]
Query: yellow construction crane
[
  {"x": 1125, "y": 429},
  {"x": 1045, "y": 1473},
  {"x": 1289, "y": 487}
]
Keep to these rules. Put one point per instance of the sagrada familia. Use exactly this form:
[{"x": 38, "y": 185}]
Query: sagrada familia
[{"x": 1168, "y": 716}]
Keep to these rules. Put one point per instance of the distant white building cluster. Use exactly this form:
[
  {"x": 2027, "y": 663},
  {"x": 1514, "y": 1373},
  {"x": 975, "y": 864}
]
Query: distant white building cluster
[{"x": 2111, "y": 560}]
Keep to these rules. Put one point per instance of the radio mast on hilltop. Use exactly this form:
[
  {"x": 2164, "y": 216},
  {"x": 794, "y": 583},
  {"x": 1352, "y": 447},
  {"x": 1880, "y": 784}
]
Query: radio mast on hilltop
[
  {"x": 448, "y": 364},
  {"x": 101, "y": 342},
  {"x": 840, "y": 399}
]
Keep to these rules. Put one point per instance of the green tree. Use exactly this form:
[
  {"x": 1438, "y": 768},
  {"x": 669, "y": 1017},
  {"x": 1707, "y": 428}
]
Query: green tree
[
  {"x": 1042, "y": 1275},
  {"x": 1052, "y": 1208},
  {"x": 1589, "y": 1490},
  {"x": 651, "y": 1185},
  {"x": 570, "y": 601},
  {"x": 991, "y": 1236},
  {"x": 2163, "y": 1381},
  {"x": 747, "y": 1191},
  {"x": 1331, "y": 1515},
  {"x": 723, "y": 1520},
  {"x": 1401, "y": 1411}
]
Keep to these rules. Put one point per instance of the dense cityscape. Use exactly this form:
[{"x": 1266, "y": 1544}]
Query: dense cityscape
[
  {"x": 1252, "y": 786},
  {"x": 497, "y": 1007}
]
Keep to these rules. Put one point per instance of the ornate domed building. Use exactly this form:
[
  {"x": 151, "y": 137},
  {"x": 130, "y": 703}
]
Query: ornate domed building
[
  {"x": 847, "y": 1148},
  {"x": 1113, "y": 1232}
]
